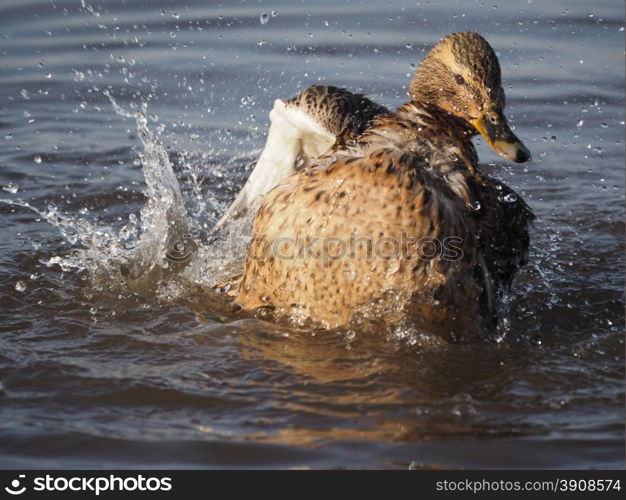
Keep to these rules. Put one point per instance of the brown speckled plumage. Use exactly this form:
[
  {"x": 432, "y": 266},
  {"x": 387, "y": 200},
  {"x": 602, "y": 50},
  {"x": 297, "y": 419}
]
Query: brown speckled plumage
[
  {"x": 342, "y": 113},
  {"x": 409, "y": 177}
]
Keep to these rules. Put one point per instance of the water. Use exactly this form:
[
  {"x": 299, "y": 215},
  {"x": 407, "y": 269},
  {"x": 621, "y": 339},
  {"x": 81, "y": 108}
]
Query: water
[{"x": 126, "y": 131}]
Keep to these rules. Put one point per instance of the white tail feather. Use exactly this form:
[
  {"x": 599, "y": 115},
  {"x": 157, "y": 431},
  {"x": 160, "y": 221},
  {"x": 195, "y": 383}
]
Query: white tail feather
[{"x": 292, "y": 132}]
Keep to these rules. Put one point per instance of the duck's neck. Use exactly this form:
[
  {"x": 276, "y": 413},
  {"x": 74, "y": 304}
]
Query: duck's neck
[
  {"x": 426, "y": 114},
  {"x": 449, "y": 138}
]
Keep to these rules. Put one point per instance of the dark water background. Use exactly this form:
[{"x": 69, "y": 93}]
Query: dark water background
[{"x": 94, "y": 378}]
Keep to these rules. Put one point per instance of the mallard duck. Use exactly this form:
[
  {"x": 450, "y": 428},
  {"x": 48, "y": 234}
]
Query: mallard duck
[{"x": 369, "y": 212}]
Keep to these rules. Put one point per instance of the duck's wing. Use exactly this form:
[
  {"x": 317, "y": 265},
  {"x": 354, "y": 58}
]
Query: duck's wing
[
  {"x": 302, "y": 128},
  {"x": 356, "y": 230},
  {"x": 505, "y": 223}
]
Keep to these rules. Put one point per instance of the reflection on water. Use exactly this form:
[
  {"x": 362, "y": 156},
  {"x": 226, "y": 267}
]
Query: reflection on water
[{"x": 125, "y": 133}]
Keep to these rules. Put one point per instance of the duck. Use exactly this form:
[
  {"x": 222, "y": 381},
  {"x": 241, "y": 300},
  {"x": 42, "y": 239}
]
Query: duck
[{"x": 364, "y": 212}]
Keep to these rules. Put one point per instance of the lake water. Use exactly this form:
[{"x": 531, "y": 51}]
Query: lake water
[{"x": 103, "y": 367}]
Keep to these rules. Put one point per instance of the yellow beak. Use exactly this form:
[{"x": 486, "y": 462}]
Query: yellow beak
[{"x": 492, "y": 125}]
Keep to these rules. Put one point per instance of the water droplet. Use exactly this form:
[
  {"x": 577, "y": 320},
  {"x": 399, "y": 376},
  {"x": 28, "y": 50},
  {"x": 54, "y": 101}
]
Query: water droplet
[
  {"x": 349, "y": 274},
  {"x": 408, "y": 45},
  {"x": 604, "y": 125},
  {"x": 78, "y": 76},
  {"x": 264, "y": 18},
  {"x": 48, "y": 75},
  {"x": 464, "y": 410},
  {"x": 247, "y": 101},
  {"x": 37, "y": 159},
  {"x": 24, "y": 94},
  {"x": 11, "y": 187},
  {"x": 52, "y": 210},
  {"x": 274, "y": 13},
  {"x": 350, "y": 335},
  {"x": 8, "y": 136},
  {"x": 326, "y": 23},
  {"x": 553, "y": 138},
  {"x": 580, "y": 123},
  {"x": 394, "y": 266},
  {"x": 475, "y": 205},
  {"x": 556, "y": 404},
  {"x": 510, "y": 198},
  {"x": 20, "y": 286}
]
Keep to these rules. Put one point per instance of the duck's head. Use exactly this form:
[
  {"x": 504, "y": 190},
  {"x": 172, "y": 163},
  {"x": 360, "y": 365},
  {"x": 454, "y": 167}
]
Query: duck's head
[{"x": 461, "y": 75}]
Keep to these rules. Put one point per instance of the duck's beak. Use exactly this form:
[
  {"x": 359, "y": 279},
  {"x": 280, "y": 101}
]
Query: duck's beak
[{"x": 492, "y": 125}]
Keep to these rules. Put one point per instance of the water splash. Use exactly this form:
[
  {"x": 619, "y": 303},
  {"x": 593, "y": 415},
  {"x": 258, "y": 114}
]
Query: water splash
[
  {"x": 159, "y": 247},
  {"x": 164, "y": 222}
]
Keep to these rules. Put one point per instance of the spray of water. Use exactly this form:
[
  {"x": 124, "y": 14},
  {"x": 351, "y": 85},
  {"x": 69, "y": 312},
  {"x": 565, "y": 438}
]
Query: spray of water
[{"x": 160, "y": 246}]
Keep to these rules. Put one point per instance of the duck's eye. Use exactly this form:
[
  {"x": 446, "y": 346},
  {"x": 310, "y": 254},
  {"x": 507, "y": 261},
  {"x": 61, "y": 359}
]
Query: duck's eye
[
  {"x": 459, "y": 79},
  {"x": 492, "y": 117}
]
